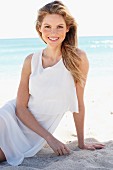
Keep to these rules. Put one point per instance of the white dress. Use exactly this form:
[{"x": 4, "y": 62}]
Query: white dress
[{"x": 52, "y": 93}]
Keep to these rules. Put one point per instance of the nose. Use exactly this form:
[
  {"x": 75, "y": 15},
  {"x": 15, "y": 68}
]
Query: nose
[{"x": 53, "y": 31}]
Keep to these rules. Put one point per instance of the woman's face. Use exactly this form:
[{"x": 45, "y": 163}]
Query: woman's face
[{"x": 53, "y": 29}]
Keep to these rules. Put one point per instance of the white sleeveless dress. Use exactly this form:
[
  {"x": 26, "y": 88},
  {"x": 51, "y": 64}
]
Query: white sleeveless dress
[{"x": 52, "y": 93}]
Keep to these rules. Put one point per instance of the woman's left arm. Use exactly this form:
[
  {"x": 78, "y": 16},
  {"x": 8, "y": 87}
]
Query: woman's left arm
[{"x": 79, "y": 117}]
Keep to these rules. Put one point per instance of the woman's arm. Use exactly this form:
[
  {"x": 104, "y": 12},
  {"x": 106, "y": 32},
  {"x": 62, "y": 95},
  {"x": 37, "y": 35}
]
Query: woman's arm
[
  {"x": 22, "y": 101},
  {"x": 79, "y": 117},
  {"x": 27, "y": 117}
]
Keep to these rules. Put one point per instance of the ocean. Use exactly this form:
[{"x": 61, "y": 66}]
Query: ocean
[{"x": 99, "y": 50}]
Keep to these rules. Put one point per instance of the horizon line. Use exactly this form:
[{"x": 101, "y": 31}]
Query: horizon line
[{"x": 39, "y": 37}]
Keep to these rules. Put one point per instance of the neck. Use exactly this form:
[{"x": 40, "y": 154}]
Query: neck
[{"x": 52, "y": 53}]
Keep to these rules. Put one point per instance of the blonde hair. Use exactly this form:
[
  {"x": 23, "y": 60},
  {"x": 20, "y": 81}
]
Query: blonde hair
[{"x": 70, "y": 56}]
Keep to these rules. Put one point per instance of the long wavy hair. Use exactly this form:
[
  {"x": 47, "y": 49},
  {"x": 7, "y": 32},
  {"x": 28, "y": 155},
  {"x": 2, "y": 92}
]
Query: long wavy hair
[{"x": 69, "y": 49}]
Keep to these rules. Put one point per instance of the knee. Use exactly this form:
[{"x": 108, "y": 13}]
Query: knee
[{"x": 2, "y": 156}]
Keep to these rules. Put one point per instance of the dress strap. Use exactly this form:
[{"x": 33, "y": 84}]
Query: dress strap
[{"x": 35, "y": 61}]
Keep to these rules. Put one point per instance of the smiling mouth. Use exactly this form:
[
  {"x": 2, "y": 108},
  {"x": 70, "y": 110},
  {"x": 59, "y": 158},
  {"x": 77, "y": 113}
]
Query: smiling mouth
[{"x": 53, "y": 39}]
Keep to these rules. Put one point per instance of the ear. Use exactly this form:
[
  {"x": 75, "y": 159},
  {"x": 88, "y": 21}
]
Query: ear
[
  {"x": 40, "y": 29},
  {"x": 67, "y": 29}
]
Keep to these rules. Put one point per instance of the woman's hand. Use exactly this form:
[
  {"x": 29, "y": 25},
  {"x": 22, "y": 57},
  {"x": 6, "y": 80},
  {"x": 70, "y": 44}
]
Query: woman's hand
[
  {"x": 58, "y": 147},
  {"x": 92, "y": 146}
]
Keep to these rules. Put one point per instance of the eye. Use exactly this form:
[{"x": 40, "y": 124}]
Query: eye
[
  {"x": 47, "y": 26},
  {"x": 60, "y": 27}
]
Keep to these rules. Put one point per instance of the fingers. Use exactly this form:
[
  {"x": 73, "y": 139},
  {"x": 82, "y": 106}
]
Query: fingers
[
  {"x": 62, "y": 151},
  {"x": 59, "y": 152},
  {"x": 99, "y": 146},
  {"x": 90, "y": 148},
  {"x": 58, "y": 147},
  {"x": 65, "y": 150},
  {"x": 94, "y": 146}
]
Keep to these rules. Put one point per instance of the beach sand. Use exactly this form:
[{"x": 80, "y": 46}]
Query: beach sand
[{"x": 98, "y": 128}]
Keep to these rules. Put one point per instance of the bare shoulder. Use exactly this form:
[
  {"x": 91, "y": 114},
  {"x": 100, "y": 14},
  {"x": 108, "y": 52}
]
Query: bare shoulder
[
  {"x": 82, "y": 54},
  {"x": 28, "y": 59},
  {"x": 84, "y": 63},
  {"x": 27, "y": 64}
]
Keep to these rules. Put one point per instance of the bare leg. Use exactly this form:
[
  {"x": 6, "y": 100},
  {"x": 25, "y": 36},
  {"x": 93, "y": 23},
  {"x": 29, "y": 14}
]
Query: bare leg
[{"x": 2, "y": 156}]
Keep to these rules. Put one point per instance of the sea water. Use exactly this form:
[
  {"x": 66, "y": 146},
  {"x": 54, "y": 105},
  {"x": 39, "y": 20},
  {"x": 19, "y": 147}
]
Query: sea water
[{"x": 99, "y": 50}]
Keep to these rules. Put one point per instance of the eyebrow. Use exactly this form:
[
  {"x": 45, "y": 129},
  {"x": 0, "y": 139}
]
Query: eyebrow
[{"x": 49, "y": 24}]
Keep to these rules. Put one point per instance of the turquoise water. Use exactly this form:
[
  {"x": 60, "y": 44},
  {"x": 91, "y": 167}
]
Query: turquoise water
[{"x": 99, "y": 50}]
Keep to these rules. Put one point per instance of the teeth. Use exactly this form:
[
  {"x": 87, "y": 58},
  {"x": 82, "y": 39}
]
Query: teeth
[{"x": 53, "y": 39}]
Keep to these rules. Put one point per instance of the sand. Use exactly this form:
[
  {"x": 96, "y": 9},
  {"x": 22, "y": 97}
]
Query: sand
[{"x": 98, "y": 128}]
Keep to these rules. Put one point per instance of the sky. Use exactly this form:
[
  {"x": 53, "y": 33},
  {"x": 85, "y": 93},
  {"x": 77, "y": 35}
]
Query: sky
[{"x": 17, "y": 17}]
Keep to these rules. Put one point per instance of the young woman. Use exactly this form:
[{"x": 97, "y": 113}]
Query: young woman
[{"x": 52, "y": 82}]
